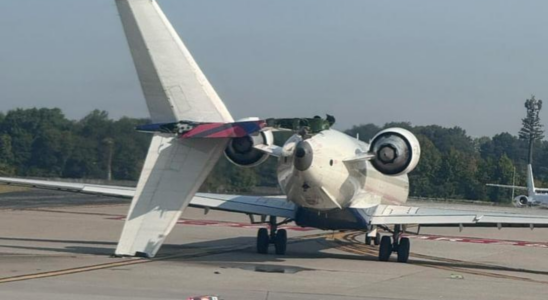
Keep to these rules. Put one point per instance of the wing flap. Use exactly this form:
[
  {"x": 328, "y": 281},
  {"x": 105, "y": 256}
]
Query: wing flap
[{"x": 276, "y": 206}]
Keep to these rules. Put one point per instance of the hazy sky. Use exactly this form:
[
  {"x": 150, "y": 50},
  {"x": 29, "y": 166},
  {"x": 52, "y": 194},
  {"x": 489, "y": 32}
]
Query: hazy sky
[{"x": 465, "y": 63}]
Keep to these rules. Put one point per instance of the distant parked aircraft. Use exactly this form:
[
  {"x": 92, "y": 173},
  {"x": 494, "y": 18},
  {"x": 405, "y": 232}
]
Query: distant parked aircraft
[{"x": 534, "y": 197}]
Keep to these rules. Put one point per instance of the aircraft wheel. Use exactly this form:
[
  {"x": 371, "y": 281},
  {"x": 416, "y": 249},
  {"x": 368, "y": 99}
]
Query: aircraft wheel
[
  {"x": 403, "y": 250},
  {"x": 280, "y": 242},
  {"x": 368, "y": 240},
  {"x": 385, "y": 250},
  {"x": 262, "y": 241},
  {"x": 377, "y": 239}
]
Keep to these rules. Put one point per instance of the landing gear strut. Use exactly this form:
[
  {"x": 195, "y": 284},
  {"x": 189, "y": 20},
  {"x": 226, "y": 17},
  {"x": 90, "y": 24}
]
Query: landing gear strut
[
  {"x": 373, "y": 237},
  {"x": 278, "y": 237},
  {"x": 401, "y": 246}
]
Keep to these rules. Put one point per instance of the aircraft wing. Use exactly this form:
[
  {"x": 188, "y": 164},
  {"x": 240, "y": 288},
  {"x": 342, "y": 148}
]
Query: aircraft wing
[
  {"x": 84, "y": 188},
  {"x": 433, "y": 217},
  {"x": 257, "y": 205}
]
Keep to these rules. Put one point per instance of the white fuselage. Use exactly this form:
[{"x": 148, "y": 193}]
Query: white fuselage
[
  {"x": 537, "y": 199},
  {"x": 319, "y": 178}
]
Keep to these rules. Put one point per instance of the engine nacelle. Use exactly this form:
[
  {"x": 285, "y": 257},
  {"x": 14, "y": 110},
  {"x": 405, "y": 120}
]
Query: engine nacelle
[
  {"x": 397, "y": 151},
  {"x": 241, "y": 151},
  {"x": 521, "y": 201}
]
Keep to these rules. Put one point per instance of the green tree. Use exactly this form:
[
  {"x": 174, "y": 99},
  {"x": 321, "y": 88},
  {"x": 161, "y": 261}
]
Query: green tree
[
  {"x": 130, "y": 148},
  {"x": 505, "y": 175},
  {"x": 405, "y": 125},
  {"x": 531, "y": 129},
  {"x": 227, "y": 177},
  {"x": 499, "y": 171},
  {"x": 447, "y": 139},
  {"x": 6, "y": 155},
  {"x": 51, "y": 149},
  {"x": 37, "y": 140},
  {"x": 42, "y": 142},
  {"x": 366, "y": 132},
  {"x": 89, "y": 157},
  {"x": 424, "y": 176}
]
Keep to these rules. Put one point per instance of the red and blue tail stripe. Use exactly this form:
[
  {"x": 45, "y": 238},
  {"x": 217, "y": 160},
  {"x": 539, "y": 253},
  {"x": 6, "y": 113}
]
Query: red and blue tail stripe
[{"x": 224, "y": 130}]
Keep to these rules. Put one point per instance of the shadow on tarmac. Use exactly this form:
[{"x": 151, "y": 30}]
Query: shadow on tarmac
[{"x": 245, "y": 257}]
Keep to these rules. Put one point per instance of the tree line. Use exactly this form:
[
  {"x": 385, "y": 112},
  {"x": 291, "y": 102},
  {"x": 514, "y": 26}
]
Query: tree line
[{"x": 44, "y": 143}]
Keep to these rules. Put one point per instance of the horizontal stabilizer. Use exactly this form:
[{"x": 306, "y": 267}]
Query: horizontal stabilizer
[{"x": 188, "y": 129}]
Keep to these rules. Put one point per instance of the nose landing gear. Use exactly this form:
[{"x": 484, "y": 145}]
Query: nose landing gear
[
  {"x": 278, "y": 237},
  {"x": 401, "y": 246}
]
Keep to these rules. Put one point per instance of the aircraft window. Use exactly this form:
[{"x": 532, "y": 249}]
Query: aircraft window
[{"x": 331, "y": 162}]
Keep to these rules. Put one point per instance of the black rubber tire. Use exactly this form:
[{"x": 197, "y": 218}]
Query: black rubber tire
[
  {"x": 280, "y": 243},
  {"x": 368, "y": 240},
  {"x": 262, "y": 241},
  {"x": 403, "y": 250},
  {"x": 385, "y": 250},
  {"x": 377, "y": 239}
]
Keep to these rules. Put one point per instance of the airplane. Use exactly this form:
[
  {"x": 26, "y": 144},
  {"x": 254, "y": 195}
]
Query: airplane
[
  {"x": 534, "y": 197},
  {"x": 330, "y": 181}
]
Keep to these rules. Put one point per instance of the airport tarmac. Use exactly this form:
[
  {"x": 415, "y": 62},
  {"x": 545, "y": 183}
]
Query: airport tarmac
[{"x": 58, "y": 246}]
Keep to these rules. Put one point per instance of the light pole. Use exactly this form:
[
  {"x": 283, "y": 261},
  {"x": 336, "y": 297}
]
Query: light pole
[{"x": 513, "y": 183}]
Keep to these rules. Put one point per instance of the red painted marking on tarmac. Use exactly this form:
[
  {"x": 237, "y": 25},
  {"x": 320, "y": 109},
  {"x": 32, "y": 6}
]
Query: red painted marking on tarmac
[
  {"x": 423, "y": 237},
  {"x": 455, "y": 239},
  {"x": 226, "y": 224}
]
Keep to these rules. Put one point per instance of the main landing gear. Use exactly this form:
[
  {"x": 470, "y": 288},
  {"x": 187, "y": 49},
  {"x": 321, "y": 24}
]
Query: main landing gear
[
  {"x": 278, "y": 237},
  {"x": 401, "y": 246}
]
